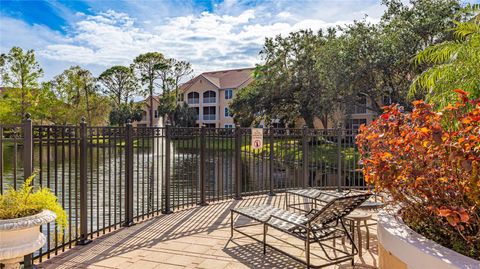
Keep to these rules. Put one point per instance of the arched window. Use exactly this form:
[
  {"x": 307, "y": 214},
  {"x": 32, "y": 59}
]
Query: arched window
[
  {"x": 193, "y": 98},
  {"x": 209, "y": 97}
]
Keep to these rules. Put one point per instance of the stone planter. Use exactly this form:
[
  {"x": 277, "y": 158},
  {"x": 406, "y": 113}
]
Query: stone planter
[
  {"x": 22, "y": 236},
  {"x": 399, "y": 247}
]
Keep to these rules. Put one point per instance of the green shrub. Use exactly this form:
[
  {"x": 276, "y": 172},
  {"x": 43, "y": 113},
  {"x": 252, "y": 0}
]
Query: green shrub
[{"x": 28, "y": 201}]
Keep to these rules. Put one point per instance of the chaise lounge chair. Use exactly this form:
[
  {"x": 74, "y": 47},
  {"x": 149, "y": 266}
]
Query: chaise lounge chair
[
  {"x": 317, "y": 226},
  {"x": 315, "y": 197}
]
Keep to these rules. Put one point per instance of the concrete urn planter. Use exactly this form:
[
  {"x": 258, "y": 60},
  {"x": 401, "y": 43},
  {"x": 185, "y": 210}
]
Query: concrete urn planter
[
  {"x": 399, "y": 247},
  {"x": 22, "y": 236}
]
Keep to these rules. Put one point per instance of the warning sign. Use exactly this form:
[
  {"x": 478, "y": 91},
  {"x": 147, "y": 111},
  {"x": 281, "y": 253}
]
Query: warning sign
[{"x": 257, "y": 138}]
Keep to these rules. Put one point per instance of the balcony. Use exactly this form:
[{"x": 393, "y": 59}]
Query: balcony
[
  {"x": 193, "y": 101},
  {"x": 198, "y": 237},
  {"x": 356, "y": 109},
  {"x": 209, "y": 117},
  {"x": 209, "y": 100}
]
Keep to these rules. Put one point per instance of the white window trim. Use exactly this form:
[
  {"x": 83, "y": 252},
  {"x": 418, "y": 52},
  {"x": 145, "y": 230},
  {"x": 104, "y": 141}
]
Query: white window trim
[{"x": 231, "y": 94}]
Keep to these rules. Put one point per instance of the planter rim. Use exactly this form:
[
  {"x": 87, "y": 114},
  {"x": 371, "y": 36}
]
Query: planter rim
[
  {"x": 44, "y": 217},
  {"x": 416, "y": 250}
]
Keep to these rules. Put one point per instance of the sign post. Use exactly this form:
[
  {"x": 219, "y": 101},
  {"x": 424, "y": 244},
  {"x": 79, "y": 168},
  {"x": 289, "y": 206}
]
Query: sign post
[{"x": 257, "y": 138}]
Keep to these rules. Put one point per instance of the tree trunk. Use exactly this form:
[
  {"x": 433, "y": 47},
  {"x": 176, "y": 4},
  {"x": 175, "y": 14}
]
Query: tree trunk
[
  {"x": 309, "y": 119},
  {"x": 150, "y": 88},
  {"x": 89, "y": 119},
  {"x": 324, "y": 120}
]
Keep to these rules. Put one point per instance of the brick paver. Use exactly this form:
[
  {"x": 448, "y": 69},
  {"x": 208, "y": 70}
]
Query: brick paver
[{"x": 193, "y": 238}]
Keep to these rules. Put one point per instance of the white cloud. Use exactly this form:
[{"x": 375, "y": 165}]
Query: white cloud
[{"x": 209, "y": 40}]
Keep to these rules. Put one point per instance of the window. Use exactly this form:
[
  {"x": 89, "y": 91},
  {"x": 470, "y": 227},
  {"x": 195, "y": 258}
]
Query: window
[
  {"x": 361, "y": 107},
  {"x": 354, "y": 124},
  {"x": 197, "y": 112},
  {"x": 210, "y": 125},
  {"x": 180, "y": 97},
  {"x": 209, "y": 97},
  {"x": 228, "y": 94},
  {"x": 358, "y": 106},
  {"x": 155, "y": 114},
  {"x": 193, "y": 98},
  {"x": 227, "y": 112},
  {"x": 228, "y": 126},
  {"x": 209, "y": 113}
]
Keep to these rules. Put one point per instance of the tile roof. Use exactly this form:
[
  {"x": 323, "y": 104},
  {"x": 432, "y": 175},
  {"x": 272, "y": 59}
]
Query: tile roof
[{"x": 224, "y": 79}]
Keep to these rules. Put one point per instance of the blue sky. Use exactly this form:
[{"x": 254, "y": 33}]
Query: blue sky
[{"x": 209, "y": 34}]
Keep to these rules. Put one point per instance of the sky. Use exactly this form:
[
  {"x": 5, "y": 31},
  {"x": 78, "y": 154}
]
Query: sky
[{"x": 210, "y": 34}]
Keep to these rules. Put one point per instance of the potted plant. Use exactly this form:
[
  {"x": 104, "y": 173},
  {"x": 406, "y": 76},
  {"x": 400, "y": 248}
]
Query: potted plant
[
  {"x": 22, "y": 212},
  {"x": 428, "y": 163}
]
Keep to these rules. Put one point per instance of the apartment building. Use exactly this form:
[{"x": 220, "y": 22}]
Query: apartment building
[
  {"x": 157, "y": 120},
  {"x": 354, "y": 116},
  {"x": 210, "y": 94}
]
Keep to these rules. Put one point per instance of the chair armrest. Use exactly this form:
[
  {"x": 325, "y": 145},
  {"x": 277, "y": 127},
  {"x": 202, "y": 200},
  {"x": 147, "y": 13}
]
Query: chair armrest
[
  {"x": 312, "y": 211},
  {"x": 326, "y": 193},
  {"x": 282, "y": 219}
]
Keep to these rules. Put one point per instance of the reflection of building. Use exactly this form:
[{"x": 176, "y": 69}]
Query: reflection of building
[
  {"x": 157, "y": 121},
  {"x": 210, "y": 93}
]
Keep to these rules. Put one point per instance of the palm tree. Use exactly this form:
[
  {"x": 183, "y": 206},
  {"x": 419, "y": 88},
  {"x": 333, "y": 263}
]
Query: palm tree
[{"x": 453, "y": 64}]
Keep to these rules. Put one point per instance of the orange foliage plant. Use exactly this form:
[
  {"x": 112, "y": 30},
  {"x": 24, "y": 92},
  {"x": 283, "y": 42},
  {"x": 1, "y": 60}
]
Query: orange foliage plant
[{"x": 428, "y": 163}]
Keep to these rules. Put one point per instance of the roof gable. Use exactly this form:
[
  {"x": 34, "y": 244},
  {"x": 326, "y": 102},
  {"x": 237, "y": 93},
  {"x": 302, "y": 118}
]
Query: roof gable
[{"x": 223, "y": 79}]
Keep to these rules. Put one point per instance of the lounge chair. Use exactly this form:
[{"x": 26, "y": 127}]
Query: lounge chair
[
  {"x": 317, "y": 226},
  {"x": 315, "y": 197}
]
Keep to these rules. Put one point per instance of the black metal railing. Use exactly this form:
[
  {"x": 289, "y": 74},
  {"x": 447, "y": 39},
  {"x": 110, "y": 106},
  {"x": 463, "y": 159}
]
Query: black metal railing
[{"x": 109, "y": 177}]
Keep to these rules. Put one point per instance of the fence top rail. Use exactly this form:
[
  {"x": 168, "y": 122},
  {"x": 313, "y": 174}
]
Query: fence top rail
[{"x": 3, "y": 126}]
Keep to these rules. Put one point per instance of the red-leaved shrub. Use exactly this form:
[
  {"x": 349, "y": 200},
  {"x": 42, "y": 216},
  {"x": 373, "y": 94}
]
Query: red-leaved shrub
[{"x": 428, "y": 163}]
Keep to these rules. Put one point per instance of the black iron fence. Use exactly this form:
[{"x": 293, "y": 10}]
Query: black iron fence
[{"x": 109, "y": 177}]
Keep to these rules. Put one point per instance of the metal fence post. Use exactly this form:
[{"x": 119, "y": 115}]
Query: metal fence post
[
  {"x": 128, "y": 174},
  {"x": 339, "y": 161},
  {"x": 305, "y": 157},
  {"x": 271, "y": 155},
  {"x": 27, "y": 147},
  {"x": 203, "y": 133},
  {"x": 238, "y": 163},
  {"x": 27, "y": 168},
  {"x": 83, "y": 185},
  {"x": 168, "y": 130}
]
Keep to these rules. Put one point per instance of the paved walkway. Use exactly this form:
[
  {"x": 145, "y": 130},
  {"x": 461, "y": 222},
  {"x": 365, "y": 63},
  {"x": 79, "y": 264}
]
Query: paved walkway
[{"x": 194, "y": 238}]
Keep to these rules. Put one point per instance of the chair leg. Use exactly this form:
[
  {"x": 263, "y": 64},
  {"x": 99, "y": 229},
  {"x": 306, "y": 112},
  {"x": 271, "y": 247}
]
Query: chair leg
[
  {"x": 368, "y": 234},
  {"x": 286, "y": 201},
  {"x": 231, "y": 224},
  {"x": 359, "y": 232},
  {"x": 265, "y": 230},
  {"x": 307, "y": 250}
]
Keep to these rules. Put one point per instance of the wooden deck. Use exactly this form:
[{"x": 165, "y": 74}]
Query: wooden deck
[{"x": 195, "y": 238}]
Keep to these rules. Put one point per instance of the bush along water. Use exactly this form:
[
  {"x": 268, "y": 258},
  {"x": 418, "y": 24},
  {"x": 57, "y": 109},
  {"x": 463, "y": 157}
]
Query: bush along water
[{"x": 428, "y": 162}]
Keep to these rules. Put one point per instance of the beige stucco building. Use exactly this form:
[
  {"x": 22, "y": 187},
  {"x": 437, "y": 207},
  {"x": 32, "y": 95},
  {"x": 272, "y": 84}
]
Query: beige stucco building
[
  {"x": 210, "y": 94},
  {"x": 157, "y": 120},
  {"x": 352, "y": 118}
]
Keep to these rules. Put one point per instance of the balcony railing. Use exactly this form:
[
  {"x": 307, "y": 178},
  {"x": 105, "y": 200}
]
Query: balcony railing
[
  {"x": 356, "y": 109},
  {"x": 209, "y": 117},
  {"x": 193, "y": 101},
  {"x": 209, "y": 100},
  {"x": 109, "y": 177}
]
